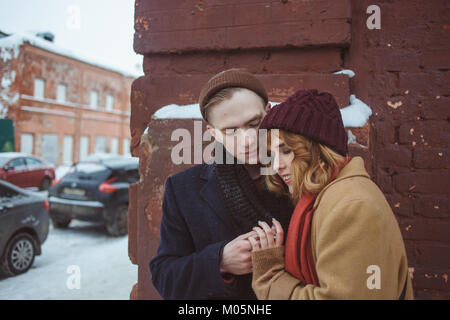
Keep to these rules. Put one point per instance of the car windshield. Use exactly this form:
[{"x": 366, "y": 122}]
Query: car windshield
[
  {"x": 89, "y": 168},
  {"x": 89, "y": 171},
  {"x": 3, "y": 160},
  {"x": 99, "y": 157}
]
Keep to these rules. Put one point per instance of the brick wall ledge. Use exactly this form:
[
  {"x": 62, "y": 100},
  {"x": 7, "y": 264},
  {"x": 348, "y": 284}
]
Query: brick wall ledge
[
  {"x": 67, "y": 114},
  {"x": 72, "y": 105}
]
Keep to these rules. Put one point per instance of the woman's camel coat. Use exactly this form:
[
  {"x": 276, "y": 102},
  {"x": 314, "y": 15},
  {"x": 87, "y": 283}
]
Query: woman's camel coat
[{"x": 355, "y": 241}]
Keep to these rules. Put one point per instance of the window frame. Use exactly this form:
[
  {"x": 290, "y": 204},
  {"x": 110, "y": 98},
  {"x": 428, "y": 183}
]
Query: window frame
[
  {"x": 36, "y": 80},
  {"x": 109, "y": 97},
  {"x": 95, "y": 107},
  {"x": 60, "y": 85}
]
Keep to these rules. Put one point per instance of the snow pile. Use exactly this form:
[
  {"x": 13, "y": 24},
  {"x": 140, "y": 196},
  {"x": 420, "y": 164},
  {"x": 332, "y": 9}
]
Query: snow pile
[
  {"x": 351, "y": 137},
  {"x": 356, "y": 114},
  {"x": 9, "y": 49},
  {"x": 347, "y": 72},
  {"x": 273, "y": 104},
  {"x": 7, "y": 79},
  {"x": 174, "y": 111},
  {"x": 6, "y": 97}
]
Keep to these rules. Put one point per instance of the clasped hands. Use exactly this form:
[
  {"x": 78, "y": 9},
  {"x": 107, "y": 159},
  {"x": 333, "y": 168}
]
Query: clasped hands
[
  {"x": 236, "y": 256},
  {"x": 267, "y": 237}
]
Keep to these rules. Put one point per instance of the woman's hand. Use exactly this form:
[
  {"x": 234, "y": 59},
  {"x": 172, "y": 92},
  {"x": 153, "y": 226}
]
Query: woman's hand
[{"x": 268, "y": 237}]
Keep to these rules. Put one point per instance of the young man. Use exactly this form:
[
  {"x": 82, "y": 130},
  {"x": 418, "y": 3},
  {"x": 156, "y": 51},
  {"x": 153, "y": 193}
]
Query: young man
[{"x": 204, "y": 251}]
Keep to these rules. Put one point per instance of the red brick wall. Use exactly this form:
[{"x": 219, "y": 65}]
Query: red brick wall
[
  {"x": 403, "y": 74},
  {"x": 298, "y": 44}
]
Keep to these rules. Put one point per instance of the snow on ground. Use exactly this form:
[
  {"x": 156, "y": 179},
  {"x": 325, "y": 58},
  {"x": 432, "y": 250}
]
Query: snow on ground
[{"x": 105, "y": 269}]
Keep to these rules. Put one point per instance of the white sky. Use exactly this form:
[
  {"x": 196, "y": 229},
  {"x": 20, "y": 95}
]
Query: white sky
[{"x": 103, "y": 29}]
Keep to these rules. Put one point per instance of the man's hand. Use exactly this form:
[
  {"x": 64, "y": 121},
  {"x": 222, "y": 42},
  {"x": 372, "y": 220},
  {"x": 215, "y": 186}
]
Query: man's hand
[{"x": 236, "y": 255}]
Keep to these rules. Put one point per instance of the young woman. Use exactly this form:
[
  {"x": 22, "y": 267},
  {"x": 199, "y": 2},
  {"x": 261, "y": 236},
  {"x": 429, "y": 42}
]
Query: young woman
[{"x": 343, "y": 241}]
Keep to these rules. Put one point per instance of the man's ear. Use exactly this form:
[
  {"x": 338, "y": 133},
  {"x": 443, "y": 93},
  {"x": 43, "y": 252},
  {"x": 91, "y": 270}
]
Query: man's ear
[{"x": 268, "y": 106}]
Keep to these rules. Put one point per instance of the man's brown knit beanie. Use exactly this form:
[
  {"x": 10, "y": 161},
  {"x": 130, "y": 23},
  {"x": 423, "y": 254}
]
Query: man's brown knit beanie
[{"x": 240, "y": 78}]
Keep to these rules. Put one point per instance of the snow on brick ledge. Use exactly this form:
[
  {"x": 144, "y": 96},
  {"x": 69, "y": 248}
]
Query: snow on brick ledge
[
  {"x": 354, "y": 115},
  {"x": 174, "y": 111}
]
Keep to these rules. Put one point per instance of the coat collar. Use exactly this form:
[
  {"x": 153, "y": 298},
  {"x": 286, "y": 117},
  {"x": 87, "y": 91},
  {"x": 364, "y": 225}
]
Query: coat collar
[
  {"x": 355, "y": 168},
  {"x": 211, "y": 194}
]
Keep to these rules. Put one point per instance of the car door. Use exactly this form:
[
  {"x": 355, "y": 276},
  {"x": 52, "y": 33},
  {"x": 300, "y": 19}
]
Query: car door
[
  {"x": 7, "y": 210},
  {"x": 17, "y": 172},
  {"x": 36, "y": 171}
]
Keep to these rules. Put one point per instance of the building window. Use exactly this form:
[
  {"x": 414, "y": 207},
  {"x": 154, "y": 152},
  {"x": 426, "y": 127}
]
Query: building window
[
  {"x": 94, "y": 99},
  {"x": 26, "y": 143},
  {"x": 126, "y": 146},
  {"x": 67, "y": 150},
  {"x": 61, "y": 93},
  {"x": 50, "y": 148},
  {"x": 84, "y": 147},
  {"x": 39, "y": 85},
  {"x": 114, "y": 146},
  {"x": 109, "y": 102},
  {"x": 100, "y": 145}
]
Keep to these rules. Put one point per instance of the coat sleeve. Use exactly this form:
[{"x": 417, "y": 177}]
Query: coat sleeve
[
  {"x": 178, "y": 270},
  {"x": 349, "y": 240}
]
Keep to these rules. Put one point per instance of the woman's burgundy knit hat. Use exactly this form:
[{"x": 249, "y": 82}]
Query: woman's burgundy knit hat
[{"x": 311, "y": 114}]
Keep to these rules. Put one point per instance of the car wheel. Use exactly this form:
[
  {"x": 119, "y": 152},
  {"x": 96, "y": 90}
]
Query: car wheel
[
  {"x": 45, "y": 184},
  {"x": 117, "y": 221},
  {"x": 61, "y": 223},
  {"x": 19, "y": 255}
]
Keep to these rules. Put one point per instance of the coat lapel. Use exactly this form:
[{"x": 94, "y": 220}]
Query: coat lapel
[{"x": 211, "y": 194}]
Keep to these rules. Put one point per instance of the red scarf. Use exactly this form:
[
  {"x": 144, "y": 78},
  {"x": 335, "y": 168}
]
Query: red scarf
[{"x": 298, "y": 251}]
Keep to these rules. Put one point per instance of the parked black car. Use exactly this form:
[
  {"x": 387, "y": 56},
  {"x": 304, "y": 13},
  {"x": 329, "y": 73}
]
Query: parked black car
[
  {"x": 94, "y": 192},
  {"x": 24, "y": 226}
]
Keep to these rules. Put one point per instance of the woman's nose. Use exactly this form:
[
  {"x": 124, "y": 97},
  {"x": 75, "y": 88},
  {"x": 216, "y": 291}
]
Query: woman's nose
[{"x": 278, "y": 164}]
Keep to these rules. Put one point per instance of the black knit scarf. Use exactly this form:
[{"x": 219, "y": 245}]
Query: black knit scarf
[{"x": 244, "y": 202}]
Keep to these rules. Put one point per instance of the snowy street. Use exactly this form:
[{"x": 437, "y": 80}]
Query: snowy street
[{"x": 104, "y": 267}]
